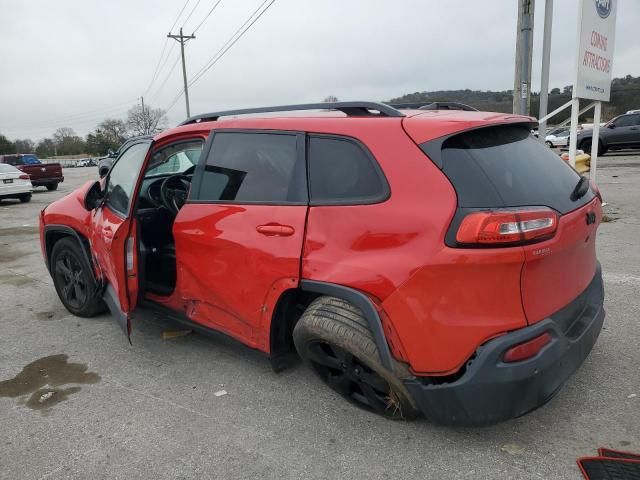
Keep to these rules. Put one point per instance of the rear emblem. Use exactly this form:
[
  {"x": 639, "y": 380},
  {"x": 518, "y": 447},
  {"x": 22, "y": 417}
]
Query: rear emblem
[{"x": 591, "y": 218}]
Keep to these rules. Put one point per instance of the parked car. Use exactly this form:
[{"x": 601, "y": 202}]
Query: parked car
[
  {"x": 432, "y": 262},
  {"x": 41, "y": 174},
  {"x": 558, "y": 137},
  {"x": 621, "y": 132},
  {"x": 104, "y": 163},
  {"x": 14, "y": 183},
  {"x": 85, "y": 162}
]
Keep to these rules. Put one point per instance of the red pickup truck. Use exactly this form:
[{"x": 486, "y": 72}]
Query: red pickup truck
[{"x": 42, "y": 174}]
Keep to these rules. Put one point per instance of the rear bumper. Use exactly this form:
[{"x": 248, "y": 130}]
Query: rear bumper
[
  {"x": 490, "y": 390},
  {"x": 39, "y": 182}
]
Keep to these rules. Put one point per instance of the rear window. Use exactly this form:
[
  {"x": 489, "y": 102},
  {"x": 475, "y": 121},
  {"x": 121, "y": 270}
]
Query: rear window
[
  {"x": 504, "y": 166},
  {"x": 342, "y": 172},
  {"x": 13, "y": 160}
]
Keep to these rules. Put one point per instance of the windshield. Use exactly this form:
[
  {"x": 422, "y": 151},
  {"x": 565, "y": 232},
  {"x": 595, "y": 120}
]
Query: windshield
[
  {"x": 177, "y": 158},
  {"x": 30, "y": 160}
]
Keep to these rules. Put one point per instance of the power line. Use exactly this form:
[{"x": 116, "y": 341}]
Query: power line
[
  {"x": 178, "y": 17},
  {"x": 229, "y": 43},
  {"x": 155, "y": 73},
  {"x": 224, "y": 49},
  {"x": 206, "y": 16},
  {"x": 190, "y": 13},
  {"x": 173, "y": 67},
  {"x": 158, "y": 68}
]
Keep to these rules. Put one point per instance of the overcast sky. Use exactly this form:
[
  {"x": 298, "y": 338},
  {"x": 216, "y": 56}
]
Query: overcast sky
[{"x": 73, "y": 63}]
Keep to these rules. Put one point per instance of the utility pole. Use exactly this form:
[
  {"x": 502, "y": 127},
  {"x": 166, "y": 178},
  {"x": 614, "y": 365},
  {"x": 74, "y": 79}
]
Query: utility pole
[
  {"x": 546, "y": 58},
  {"x": 524, "y": 47},
  {"x": 144, "y": 117},
  {"x": 183, "y": 39}
]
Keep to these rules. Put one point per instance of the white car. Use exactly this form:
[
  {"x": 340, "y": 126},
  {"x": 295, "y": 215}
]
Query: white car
[
  {"x": 14, "y": 183},
  {"x": 557, "y": 138}
]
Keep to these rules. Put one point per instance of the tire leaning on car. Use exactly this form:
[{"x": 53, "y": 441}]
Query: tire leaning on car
[
  {"x": 73, "y": 279},
  {"x": 334, "y": 339}
]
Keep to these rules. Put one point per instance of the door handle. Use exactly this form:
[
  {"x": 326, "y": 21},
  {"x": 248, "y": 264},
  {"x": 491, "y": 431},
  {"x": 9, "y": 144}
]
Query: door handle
[{"x": 275, "y": 230}]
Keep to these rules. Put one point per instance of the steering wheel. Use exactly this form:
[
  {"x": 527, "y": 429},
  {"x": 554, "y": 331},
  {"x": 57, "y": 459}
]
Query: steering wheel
[{"x": 173, "y": 191}]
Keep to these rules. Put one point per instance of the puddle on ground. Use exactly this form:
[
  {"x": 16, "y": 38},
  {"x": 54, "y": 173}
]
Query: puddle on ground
[
  {"x": 40, "y": 381},
  {"x": 15, "y": 280},
  {"x": 24, "y": 230}
]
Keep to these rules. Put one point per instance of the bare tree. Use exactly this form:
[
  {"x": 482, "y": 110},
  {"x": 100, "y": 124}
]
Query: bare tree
[
  {"x": 146, "y": 121},
  {"x": 330, "y": 99},
  {"x": 62, "y": 134},
  {"x": 25, "y": 145}
]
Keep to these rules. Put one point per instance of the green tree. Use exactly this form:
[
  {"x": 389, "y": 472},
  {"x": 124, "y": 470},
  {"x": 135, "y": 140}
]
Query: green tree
[
  {"x": 109, "y": 134},
  {"x": 46, "y": 148},
  {"x": 6, "y": 146},
  {"x": 555, "y": 91}
]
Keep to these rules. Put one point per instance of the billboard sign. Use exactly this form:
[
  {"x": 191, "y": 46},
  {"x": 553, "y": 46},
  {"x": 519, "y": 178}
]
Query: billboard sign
[{"x": 596, "y": 39}]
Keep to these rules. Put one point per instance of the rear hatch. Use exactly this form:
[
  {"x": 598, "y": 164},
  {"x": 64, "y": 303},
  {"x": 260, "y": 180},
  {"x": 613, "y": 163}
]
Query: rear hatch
[{"x": 514, "y": 192}]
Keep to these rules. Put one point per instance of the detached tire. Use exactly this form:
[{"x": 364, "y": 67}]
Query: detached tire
[
  {"x": 333, "y": 337},
  {"x": 73, "y": 279}
]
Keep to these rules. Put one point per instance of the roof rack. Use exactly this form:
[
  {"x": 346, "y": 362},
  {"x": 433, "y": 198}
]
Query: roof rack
[
  {"x": 435, "y": 106},
  {"x": 351, "y": 109}
]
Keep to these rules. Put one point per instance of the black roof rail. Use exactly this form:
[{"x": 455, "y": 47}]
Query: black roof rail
[
  {"x": 351, "y": 109},
  {"x": 434, "y": 106}
]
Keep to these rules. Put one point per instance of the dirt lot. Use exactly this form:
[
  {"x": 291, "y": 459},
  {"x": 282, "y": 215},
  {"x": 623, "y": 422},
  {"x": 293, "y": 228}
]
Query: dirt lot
[{"x": 151, "y": 411}]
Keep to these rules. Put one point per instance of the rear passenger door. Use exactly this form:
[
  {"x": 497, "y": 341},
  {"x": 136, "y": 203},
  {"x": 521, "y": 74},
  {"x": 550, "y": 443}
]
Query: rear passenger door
[{"x": 239, "y": 236}]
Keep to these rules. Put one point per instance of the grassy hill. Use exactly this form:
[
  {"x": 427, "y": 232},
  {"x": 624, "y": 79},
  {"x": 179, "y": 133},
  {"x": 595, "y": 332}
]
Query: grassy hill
[{"x": 625, "y": 95}]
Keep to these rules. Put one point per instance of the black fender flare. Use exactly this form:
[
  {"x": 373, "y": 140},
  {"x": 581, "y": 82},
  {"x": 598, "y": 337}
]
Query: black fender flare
[
  {"x": 365, "y": 304},
  {"x": 70, "y": 232}
]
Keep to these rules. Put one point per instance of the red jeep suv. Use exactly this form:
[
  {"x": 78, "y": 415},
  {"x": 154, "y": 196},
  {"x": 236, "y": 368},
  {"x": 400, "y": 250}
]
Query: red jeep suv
[{"x": 420, "y": 261}]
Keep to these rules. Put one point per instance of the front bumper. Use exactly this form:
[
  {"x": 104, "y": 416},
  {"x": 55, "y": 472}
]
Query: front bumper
[{"x": 490, "y": 390}]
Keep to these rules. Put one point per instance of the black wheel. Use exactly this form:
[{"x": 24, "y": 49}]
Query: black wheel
[
  {"x": 586, "y": 147},
  {"x": 73, "y": 279},
  {"x": 25, "y": 198},
  {"x": 548, "y": 144},
  {"x": 333, "y": 338},
  {"x": 52, "y": 186}
]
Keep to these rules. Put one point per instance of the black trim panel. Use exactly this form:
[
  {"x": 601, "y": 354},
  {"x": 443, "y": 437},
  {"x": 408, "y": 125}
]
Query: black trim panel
[
  {"x": 361, "y": 301},
  {"x": 488, "y": 390},
  {"x": 49, "y": 228}
]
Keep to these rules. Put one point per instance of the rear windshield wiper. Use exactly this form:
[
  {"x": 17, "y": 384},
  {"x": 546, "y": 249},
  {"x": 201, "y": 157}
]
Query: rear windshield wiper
[{"x": 580, "y": 190}]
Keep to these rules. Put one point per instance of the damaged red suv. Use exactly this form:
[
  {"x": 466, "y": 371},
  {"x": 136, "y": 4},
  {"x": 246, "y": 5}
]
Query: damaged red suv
[{"x": 421, "y": 262}]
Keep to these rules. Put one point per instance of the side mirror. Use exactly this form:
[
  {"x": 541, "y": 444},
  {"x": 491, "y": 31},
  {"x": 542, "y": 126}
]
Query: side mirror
[
  {"x": 611, "y": 125},
  {"x": 93, "y": 197}
]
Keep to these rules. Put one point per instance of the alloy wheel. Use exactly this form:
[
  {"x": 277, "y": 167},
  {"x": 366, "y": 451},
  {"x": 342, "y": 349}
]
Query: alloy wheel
[
  {"x": 351, "y": 378},
  {"x": 71, "y": 280}
]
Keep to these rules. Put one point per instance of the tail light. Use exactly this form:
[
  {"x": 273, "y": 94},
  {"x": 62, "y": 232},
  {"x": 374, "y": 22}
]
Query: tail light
[
  {"x": 24, "y": 176},
  {"x": 527, "y": 349},
  {"x": 507, "y": 227}
]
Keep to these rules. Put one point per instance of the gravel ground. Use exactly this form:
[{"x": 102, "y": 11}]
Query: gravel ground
[{"x": 151, "y": 411}]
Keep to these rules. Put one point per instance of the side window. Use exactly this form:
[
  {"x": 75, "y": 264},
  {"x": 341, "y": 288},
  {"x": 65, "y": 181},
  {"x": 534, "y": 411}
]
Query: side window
[
  {"x": 253, "y": 167},
  {"x": 626, "y": 121},
  {"x": 123, "y": 177},
  {"x": 13, "y": 160},
  {"x": 342, "y": 171},
  {"x": 177, "y": 158}
]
